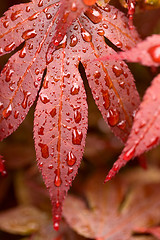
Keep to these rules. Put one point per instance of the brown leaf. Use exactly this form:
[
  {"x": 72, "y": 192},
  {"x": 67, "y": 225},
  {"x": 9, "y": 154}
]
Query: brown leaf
[{"x": 22, "y": 220}]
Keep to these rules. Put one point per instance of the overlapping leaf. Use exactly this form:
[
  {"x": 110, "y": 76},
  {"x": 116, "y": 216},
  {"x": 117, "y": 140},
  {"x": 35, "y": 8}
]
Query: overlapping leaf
[
  {"x": 146, "y": 52},
  {"x": 61, "y": 115}
]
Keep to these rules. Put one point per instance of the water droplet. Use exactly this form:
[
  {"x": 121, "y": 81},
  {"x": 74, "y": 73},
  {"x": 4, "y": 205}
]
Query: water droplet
[
  {"x": 71, "y": 159},
  {"x": 75, "y": 27},
  {"x": 48, "y": 16},
  {"x": 76, "y": 136},
  {"x": 113, "y": 117},
  {"x": 1, "y": 105},
  {"x": 100, "y": 32},
  {"x": 7, "y": 111},
  {"x": 1, "y": 50},
  {"x": 30, "y": 47},
  {"x": 75, "y": 89},
  {"x": 70, "y": 170},
  {"x": 77, "y": 116},
  {"x": 105, "y": 26},
  {"x": 129, "y": 154},
  {"x": 6, "y": 24},
  {"x": 119, "y": 44},
  {"x": 50, "y": 166},
  {"x": 45, "y": 83},
  {"x": 73, "y": 41},
  {"x": 16, "y": 114},
  {"x": 106, "y": 102},
  {"x": 107, "y": 8},
  {"x": 10, "y": 47},
  {"x": 57, "y": 204},
  {"x": 115, "y": 167},
  {"x": 25, "y": 100},
  {"x": 122, "y": 84},
  {"x": 57, "y": 180},
  {"x": 37, "y": 71},
  {"x": 44, "y": 98},
  {"x": 49, "y": 58},
  {"x": 34, "y": 16},
  {"x": 22, "y": 53},
  {"x": 44, "y": 150},
  {"x": 41, "y": 131},
  {"x": 117, "y": 71},
  {"x": 9, "y": 74},
  {"x": 97, "y": 74},
  {"x": 108, "y": 81},
  {"x": 15, "y": 15},
  {"x": 87, "y": 37},
  {"x": 40, "y": 4},
  {"x": 94, "y": 14},
  {"x": 115, "y": 15},
  {"x": 53, "y": 112},
  {"x": 122, "y": 124},
  {"x": 31, "y": 33},
  {"x": 56, "y": 226},
  {"x": 28, "y": 9},
  {"x": 65, "y": 16},
  {"x": 74, "y": 7},
  {"x": 155, "y": 53},
  {"x": 41, "y": 164},
  {"x": 153, "y": 142}
]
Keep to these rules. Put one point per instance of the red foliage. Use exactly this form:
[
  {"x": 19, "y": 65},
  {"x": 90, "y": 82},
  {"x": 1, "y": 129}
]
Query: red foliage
[{"x": 54, "y": 40}]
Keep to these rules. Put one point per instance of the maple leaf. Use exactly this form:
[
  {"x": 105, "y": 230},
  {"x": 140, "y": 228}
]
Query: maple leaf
[
  {"x": 60, "y": 123},
  {"x": 115, "y": 209},
  {"x": 145, "y": 133}
]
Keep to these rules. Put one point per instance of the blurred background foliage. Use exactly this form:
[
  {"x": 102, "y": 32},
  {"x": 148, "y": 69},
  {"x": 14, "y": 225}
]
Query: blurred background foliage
[{"x": 23, "y": 195}]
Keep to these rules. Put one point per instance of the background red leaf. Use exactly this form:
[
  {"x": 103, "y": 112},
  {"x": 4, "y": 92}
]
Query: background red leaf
[{"x": 145, "y": 133}]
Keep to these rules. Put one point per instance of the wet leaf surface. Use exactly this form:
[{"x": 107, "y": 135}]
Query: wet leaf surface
[{"x": 60, "y": 123}]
